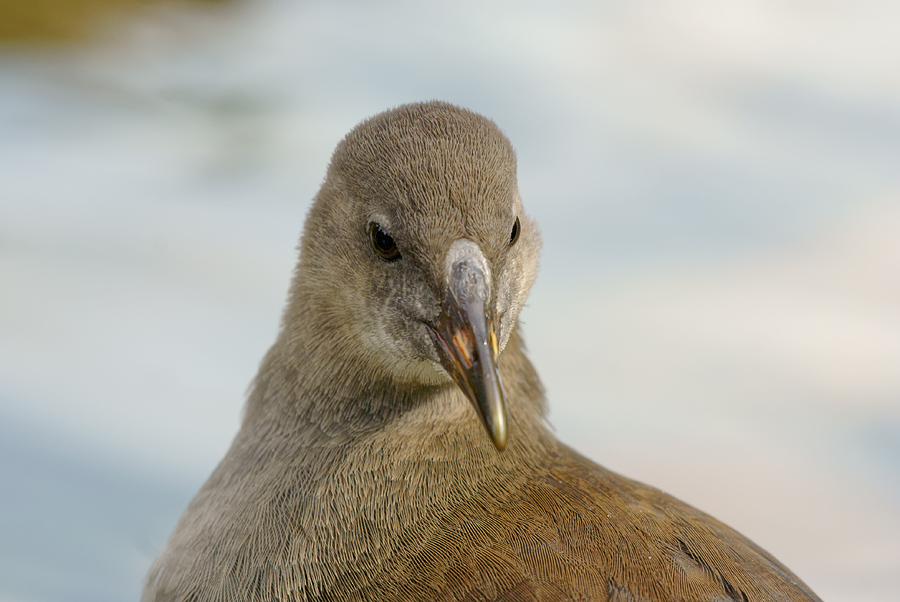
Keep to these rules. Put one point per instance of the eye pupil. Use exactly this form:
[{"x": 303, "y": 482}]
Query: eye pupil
[
  {"x": 383, "y": 244},
  {"x": 514, "y": 235}
]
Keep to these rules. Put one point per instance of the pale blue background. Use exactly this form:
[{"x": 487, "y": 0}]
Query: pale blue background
[{"x": 718, "y": 314}]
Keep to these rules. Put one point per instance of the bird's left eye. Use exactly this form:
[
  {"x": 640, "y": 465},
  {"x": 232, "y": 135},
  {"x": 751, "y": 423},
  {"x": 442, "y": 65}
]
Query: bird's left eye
[
  {"x": 383, "y": 244},
  {"x": 514, "y": 235}
]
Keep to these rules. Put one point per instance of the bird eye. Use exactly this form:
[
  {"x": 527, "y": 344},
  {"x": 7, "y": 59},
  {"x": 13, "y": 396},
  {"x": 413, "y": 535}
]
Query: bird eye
[
  {"x": 383, "y": 244},
  {"x": 514, "y": 235}
]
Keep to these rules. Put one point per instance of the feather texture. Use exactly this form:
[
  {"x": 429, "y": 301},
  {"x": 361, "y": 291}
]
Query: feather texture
[{"x": 361, "y": 471}]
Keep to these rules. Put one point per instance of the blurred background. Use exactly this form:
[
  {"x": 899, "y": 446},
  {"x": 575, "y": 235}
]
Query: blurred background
[{"x": 718, "y": 312}]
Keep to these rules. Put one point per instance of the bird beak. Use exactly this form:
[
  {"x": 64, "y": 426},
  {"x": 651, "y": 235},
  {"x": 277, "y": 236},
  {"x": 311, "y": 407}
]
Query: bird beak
[{"x": 467, "y": 342}]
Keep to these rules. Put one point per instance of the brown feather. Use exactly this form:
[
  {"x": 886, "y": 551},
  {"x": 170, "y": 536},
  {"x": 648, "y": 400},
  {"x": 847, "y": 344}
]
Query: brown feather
[{"x": 360, "y": 472}]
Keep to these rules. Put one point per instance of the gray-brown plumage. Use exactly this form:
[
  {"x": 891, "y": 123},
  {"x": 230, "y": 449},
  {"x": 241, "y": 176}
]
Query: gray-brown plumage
[{"x": 363, "y": 469}]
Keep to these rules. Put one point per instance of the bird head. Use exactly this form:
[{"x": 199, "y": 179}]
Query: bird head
[{"x": 420, "y": 252}]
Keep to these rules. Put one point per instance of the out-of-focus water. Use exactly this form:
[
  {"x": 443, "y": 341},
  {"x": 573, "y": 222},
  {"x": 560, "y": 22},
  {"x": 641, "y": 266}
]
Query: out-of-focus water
[{"x": 718, "y": 312}]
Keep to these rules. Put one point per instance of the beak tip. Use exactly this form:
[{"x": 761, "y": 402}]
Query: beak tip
[{"x": 498, "y": 431}]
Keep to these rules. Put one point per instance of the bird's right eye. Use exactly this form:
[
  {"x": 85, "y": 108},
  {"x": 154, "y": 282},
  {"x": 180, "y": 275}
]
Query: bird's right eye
[{"x": 383, "y": 244}]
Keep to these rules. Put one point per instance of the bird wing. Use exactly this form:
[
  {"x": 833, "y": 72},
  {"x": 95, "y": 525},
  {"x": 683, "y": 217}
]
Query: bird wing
[{"x": 576, "y": 531}]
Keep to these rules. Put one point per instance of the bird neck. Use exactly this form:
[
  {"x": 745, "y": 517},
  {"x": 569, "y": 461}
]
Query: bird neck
[
  {"x": 336, "y": 459},
  {"x": 321, "y": 380}
]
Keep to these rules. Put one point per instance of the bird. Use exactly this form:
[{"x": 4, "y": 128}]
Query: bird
[{"x": 394, "y": 444}]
